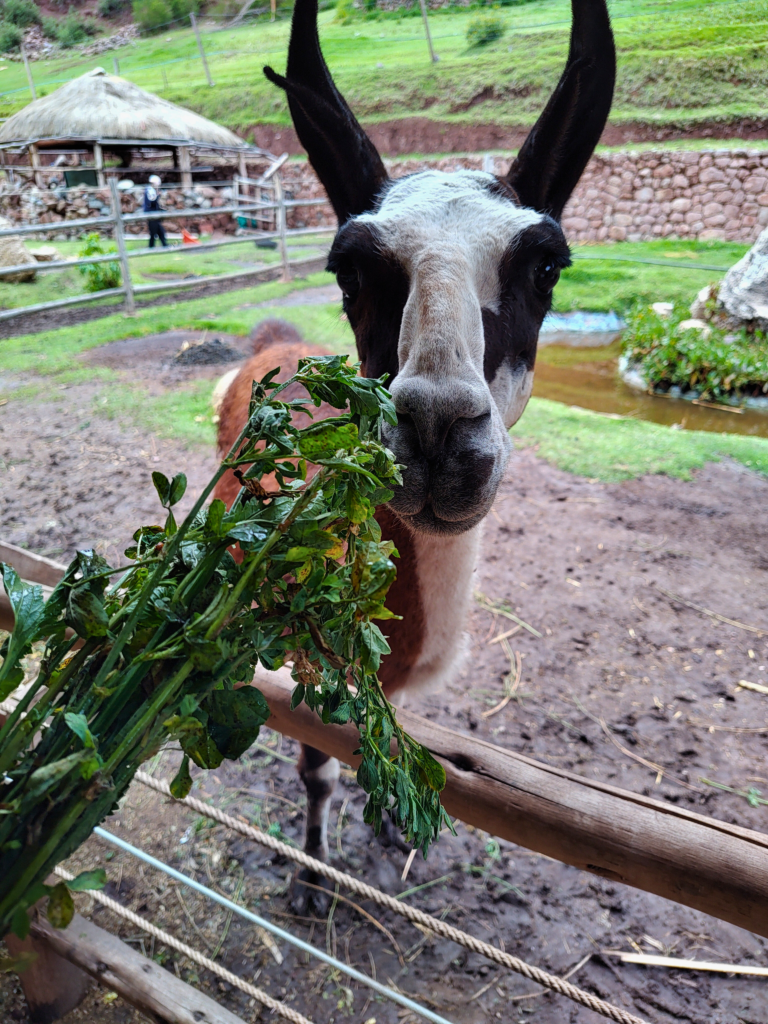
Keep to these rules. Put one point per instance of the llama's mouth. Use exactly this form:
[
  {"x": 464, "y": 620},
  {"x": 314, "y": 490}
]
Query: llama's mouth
[{"x": 427, "y": 520}]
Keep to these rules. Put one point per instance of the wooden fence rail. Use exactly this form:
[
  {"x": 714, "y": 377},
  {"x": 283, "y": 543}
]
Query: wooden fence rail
[{"x": 117, "y": 220}]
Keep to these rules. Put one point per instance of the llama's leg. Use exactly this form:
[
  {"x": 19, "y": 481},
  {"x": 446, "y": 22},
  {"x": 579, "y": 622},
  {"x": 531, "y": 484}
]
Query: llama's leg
[{"x": 319, "y": 773}]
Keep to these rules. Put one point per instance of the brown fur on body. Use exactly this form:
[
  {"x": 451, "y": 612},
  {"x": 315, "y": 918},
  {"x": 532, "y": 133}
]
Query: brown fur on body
[{"x": 277, "y": 343}]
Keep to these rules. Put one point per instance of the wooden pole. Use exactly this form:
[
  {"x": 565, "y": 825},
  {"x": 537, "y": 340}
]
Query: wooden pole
[
  {"x": 52, "y": 985},
  {"x": 154, "y": 991},
  {"x": 34, "y": 159},
  {"x": 185, "y": 166},
  {"x": 98, "y": 160},
  {"x": 195, "y": 26},
  {"x": 165, "y": 80},
  {"x": 117, "y": 210},
  {"x": 710, "y": 865},
  {"x": 116, "y": 65},
  {"x": 432, "y": 54},
  {"x": 282, "y": 226},
  {"x": 28, "y": 69},
  {"x": 273, "y": 9}
]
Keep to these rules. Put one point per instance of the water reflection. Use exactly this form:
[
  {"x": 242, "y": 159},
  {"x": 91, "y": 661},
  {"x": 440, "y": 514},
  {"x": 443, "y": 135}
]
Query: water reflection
[{"x": 579, "y": 368}]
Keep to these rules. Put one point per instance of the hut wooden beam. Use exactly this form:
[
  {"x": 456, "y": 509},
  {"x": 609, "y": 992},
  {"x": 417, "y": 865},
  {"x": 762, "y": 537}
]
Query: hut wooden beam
[
  {"x": 185, "y": 166},
  {"x": 710, "y": 865}
]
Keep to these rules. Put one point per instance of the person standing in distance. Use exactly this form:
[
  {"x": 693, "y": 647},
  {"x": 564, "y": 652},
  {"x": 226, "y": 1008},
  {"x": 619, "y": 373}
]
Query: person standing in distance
[{"x": 152, "y": 205}]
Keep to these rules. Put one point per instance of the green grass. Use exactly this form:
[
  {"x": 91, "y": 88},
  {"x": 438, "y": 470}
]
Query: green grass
[
  {"x": 679, "y": 61},
  {"x": 613, "y": 448},
  {"x": 176, "y": 261},
  {"x": 183, "y": 414},
  {"x": 601, "y": 286}
]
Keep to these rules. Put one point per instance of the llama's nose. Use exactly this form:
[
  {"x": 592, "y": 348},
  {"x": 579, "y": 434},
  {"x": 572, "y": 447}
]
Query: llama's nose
[{"x": 440, "y": 416}]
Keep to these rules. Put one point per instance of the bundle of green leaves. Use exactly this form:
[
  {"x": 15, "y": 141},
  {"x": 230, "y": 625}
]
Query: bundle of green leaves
[
  {"x": 99, "y": 276},
  {"x": 165, "y": 652},
  {"x": 715, "y": 364}
]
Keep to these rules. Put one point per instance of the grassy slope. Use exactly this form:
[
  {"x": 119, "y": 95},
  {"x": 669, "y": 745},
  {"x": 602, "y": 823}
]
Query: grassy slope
[{"x": 679, "y": 60}]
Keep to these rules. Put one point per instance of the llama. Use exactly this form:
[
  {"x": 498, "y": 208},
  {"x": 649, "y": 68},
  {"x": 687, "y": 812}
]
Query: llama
[{"x": 445, "y": 279}]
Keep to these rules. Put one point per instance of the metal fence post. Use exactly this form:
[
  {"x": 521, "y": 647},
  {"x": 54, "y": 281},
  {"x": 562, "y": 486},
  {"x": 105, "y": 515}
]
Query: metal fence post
[
  {"x": 282, "y": 225},
  {"x": 193, "y": 19},
  {"x": 117, "y": 210}
]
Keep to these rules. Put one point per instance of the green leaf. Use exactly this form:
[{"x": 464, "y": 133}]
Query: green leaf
[
  {"x": 367, "y": 775},
  {"x": 85, "y": 613},
  {"x": 61, "y": 906},
  {"x": 202, "y": 750},
  {"x": 17, "y": 964},
  {"x": 177, "y": 489},
  {"x": 79, "y": 726},
  {"x": 41, "y": 780},
  {"x": 297, "y": 696},
  {"x": 215, "y": 516},
  {"x": 327, "y": 437},
  {"x": 163, "y": 487},
  {"x": 86, "y": 880},
  {"x": 432, "y": 771},
  {"x": 235, "y": 719},
  {"x": 20, "y": 923},
  {"x": 182, "y": 781},
  {"x": 28, "y": 606},
  {"x": 183, "y": 725},
  {"x": 373, "y": 646}
]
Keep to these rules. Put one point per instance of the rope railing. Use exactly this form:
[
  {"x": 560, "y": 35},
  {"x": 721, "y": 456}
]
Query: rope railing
[{"x": 415, "y": 916}]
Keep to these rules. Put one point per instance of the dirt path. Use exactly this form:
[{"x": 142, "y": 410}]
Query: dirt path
[{"x": 583, "y": 562}]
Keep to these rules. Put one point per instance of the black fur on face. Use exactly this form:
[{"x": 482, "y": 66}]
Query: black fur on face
[
  {"x": 528, "y": 273},
  {"x": 374, "y": 292}
]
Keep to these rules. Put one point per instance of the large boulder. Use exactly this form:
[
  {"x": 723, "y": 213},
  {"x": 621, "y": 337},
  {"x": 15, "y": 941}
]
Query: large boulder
[
  {"x": 13, "y": 253},
  {"x": 743, "y": 293}
]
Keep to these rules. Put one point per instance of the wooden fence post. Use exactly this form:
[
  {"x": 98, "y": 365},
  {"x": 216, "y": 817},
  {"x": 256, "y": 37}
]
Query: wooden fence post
[
  {"x": 282, "y": 226},
  {"x": 29, "y": 72},
  {"x": 432, "y": 53},
  {"x": 98, "y": 162},
  {"x": 193, "y": 19},
  {"x": 116, "y": 65},
  {"x": 117, "y": 210}
]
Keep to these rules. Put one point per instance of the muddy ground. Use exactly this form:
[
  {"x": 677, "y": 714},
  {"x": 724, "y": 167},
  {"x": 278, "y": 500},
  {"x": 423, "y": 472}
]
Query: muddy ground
[{"x": 581, "y": 561}]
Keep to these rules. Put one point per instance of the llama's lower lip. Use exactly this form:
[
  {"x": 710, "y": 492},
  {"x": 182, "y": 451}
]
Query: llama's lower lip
[{"x": 428, "y": 521}]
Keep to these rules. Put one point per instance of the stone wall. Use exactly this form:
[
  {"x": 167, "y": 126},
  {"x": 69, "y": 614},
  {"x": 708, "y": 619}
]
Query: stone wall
[{"x": 628, "y": 196}]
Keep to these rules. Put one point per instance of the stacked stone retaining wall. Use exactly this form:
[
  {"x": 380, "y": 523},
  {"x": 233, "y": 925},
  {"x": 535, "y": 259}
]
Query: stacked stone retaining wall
[{"x": 628, "y": 196}]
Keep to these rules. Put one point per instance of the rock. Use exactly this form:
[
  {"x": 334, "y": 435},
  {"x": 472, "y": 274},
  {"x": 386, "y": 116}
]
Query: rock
[
  {"x": 743, "y": 293},
  {"x": 663, "y": 309},
  {"x": 14, "y": 253},
  {"x": 696, "y": 325},
  {"x": 46, "y": 254},
  {"x": 206, "y": 352}
]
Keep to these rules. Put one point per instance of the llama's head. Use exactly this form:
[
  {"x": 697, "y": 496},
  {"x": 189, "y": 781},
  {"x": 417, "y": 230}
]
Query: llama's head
[{"x": 447, "y": 277}]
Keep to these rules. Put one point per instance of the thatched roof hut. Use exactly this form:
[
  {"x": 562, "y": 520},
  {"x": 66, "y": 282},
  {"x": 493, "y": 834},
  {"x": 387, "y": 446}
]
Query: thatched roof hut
[{"x": 100, "y": 111}]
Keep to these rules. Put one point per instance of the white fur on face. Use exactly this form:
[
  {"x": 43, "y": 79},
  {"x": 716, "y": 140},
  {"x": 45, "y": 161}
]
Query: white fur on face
[{"x": 450, "y": 233}]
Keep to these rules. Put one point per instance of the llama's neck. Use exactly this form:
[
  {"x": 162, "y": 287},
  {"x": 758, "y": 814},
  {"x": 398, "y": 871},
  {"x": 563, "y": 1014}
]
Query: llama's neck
[{"x": 441, "y": 578}]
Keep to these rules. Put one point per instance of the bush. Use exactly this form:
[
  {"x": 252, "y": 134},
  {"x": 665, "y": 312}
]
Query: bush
[
  {"x": 181, "y": 9},
  {"x": 10, "y": 37},
  {"x": 345, "y": 9},
  {"x": 107, "y": 8},
  {"x": 713, "y": 364},
  {"x": 21, "y": 12},
  {"x": 70, "y": 31},
  {"x": 99, "y": 276},
  {"x": 151, "y": 15},
  {"x": 484, "y": 29}
]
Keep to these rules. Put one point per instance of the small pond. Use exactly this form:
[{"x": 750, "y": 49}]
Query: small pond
[{"x": 577, "y": 364}]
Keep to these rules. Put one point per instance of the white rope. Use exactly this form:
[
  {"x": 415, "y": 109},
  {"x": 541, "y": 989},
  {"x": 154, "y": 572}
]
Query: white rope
[
  {"x": 169, "y": 940},
  {"x": 550, "y": 981}
]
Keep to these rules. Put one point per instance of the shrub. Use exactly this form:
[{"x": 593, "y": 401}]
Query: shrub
[
  {"x": 21, "y": 12},
  {"x": 107, "y": 8},
  {"x": 151, "y": 15},
  {"x": 183, "y": 8},
  {"x": 345, "y": 9},
  {"x": 484, "y": 29},
  {"x": 99, "y": 276},
  {"x": 710, "y": 362},
  {"x": 10, "y": 37},
  {"x": 70, "y": 31}
]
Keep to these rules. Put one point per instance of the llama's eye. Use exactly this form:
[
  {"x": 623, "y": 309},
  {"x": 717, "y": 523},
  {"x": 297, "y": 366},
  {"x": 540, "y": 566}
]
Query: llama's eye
[
  {"x": 349, "y": 282},
  {"x": 546, "y": 275}
]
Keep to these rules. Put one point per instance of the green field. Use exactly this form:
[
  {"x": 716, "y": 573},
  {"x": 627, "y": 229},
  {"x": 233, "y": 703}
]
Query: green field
[{"x": 680, "y": 61}]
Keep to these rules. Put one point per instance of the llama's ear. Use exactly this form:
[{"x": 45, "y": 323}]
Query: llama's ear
[
  {"x": 553, "y": 157},
  {"x": 345, "y": 159}
]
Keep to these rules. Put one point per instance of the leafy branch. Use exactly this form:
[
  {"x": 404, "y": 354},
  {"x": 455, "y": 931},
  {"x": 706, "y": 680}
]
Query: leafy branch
[{"x": 167, "y": 651}]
